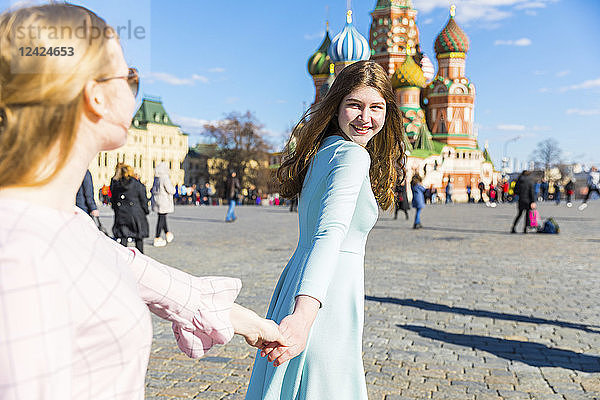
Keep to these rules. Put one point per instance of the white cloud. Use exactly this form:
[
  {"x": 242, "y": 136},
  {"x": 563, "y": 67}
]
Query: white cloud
[
  {"x": 531, "y": 13},
  {"x": 518, "y": 42},
  {"x": 313, "y": 36},
  {"x": 428, "y": 21},
  {"x": 544, "y": 90},
  {"x": 200, "y": 78},
  {"x": 231, "y": 100},
  {"x": 560, "y": 74},
  {"x": 191, "y": 125},
  {"x": 482, "y": 10},
  {"x": 174, "y": 80},
  {"x": 531, "y": 4},
  {"x": 217, "y": 70},
  {"x": 589, "y": 84},
  {"x": 510, "y": 127},
  {"x": 280, "y": 101},
  {"x": 578, "y": 111},
  {"x": 538, "y": 72}
]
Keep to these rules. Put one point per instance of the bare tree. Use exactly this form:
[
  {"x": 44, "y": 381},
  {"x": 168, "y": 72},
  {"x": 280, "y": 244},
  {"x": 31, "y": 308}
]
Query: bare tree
[
  {"x": 547, "y": 154},
  {"x": 240, "y": 147}
]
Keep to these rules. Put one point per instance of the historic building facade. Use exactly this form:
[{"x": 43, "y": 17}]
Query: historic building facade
[
  {"x": 152, "y": 138},
  {"x": 437, "y": 108}
]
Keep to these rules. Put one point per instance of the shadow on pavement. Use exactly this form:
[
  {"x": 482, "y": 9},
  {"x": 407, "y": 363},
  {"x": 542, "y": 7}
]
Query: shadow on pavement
[
  {"x": 425, "y": 305},
  {"x": 455, "y": 230},
  {"x": 188, "y": 219},
  {"x": 534, "y": 354}
]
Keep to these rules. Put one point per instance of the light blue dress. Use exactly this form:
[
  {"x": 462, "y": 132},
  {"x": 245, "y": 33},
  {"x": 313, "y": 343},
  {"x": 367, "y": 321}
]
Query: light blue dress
[{"x": 336, "y": 211}]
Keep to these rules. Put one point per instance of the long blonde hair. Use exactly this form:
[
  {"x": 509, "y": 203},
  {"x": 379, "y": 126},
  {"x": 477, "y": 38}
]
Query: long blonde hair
[
  {"x": 41, "y": 98},
  {"x": 387, "y": 148}
]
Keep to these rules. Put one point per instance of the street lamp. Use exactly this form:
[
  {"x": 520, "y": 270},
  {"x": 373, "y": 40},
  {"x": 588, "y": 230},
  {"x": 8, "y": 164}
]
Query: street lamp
[{"x": 504, "y": 158}]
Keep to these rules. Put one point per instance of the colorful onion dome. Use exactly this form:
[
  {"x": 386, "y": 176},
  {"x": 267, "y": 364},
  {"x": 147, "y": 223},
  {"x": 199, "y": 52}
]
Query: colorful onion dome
[
  {"x": 451, "y": 39},
  {"x": 349, "y": 44},
  {"x": 428, "y": 68},
  {"x": 408, "y": 74},
  {"x": 318, "y": 63}
]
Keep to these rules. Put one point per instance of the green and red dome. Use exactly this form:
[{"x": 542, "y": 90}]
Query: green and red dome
[
  {"x": 318, "y": 63},
  {"x": 452, "y": 39}
]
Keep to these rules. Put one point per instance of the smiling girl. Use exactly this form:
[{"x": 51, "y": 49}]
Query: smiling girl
[{"x": 348, "y": 157}]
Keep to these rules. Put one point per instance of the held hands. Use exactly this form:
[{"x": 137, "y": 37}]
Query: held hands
[
  {"x": 266, "y": 334},
  {"x": 257, "y": 331},
  {"x": 294, "y": 330}
]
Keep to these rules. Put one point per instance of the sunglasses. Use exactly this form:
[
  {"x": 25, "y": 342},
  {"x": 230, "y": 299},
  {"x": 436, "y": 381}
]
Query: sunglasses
[{"x": 133, "y": 80}]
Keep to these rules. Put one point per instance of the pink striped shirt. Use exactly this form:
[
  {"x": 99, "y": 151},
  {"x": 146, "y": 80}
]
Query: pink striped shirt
[{"x": 74, "y": 320}]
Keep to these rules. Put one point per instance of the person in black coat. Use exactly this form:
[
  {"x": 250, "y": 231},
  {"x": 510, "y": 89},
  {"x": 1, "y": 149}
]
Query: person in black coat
[
  {"x": 130, "y": 204},
  {"x": 401, "y": 199},
  {"x": 85, "y": 196},
  {"x": 525, "y": 189}
]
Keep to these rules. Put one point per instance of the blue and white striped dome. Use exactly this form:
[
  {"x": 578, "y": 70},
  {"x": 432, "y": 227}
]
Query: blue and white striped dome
[{"x": 349, "y": 44}]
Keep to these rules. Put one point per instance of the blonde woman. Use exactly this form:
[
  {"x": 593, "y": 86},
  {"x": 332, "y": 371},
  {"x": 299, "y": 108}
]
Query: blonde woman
[
  {"x": 74, "y": 319},
  {"x": 162, "y": 203},
  {"x": 130, "y": 205}
]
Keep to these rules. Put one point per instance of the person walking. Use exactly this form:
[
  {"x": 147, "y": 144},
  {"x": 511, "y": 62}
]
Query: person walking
[
  {"x": 481, "y": 187},
  {"x": 524, "y": 188},
  {"x": 294, "y": 204},
  {"x": 418, "y": 199},
  {"x": 593, "y": 185},
  {"x": 556, "y": 187},
  {"x": 569, "y": 190},
  {"x": 344, "y": 166},
  {"x": 449, "y": 190},
  {"x": 401, "y": 199},
  {"x": 85, "y": 196},
  {"x": 469, "y": 197},
  {"x": 162, "y": 203},
  {"x": 233, "y": 187},
  {"x": 76, "y": 305},
  {"x": 130, "y": 205},
  {"x": 206, "y": 194}
]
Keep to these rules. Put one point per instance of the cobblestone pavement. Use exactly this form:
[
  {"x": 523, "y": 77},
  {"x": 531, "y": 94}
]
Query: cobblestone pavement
[{"x": 458, "y": 310}]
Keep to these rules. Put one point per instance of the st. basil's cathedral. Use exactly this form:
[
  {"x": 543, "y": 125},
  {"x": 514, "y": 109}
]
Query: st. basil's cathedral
[{"x": 437, "y": 109}]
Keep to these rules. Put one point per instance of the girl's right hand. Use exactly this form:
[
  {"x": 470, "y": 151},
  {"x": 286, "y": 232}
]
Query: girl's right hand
[{"x": 295, "y": 329}]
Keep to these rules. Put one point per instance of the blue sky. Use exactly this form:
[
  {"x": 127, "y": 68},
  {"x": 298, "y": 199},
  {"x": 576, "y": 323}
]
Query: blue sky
[{"x": 534, "y": 62}]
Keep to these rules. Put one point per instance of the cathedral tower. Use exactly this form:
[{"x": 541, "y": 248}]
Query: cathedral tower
[
  {"x": 407, "y": 81},
  {"x": 451, "y": 96},
  {"x": 393, "y": 30},
  {"x": 318, "y": 65}
]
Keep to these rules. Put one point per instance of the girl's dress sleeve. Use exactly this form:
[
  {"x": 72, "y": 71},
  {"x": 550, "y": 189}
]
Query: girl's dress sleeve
[
  {"x": 349, "y": 167},
  {"x": 198, "y": 307}
]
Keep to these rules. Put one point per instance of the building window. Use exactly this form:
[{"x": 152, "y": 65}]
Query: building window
[
  {"x": 141, "y": 165},
  {"x": 153, "y": 163},
  {"x": 135, "y": 160},
  {"x": 106, "y": 159},
  {"x": 99, "y": 159},
  {"x": 170, "y": 164},
  {"x": 153, "y": 140}
]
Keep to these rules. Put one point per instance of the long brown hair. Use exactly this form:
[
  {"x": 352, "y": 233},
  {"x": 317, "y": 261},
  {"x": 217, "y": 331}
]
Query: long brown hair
[
  {"x": 41, "y": 98},
  {"x": 387, "y": 148}
]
